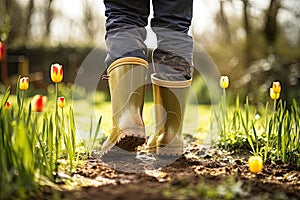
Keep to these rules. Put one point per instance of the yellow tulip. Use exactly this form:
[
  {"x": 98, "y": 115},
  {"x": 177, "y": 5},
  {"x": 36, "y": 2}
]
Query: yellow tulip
[
  {"x": 224, "y": 82},
  {"x": 255, "y": 164},
  {"x": 276, "y": 87},
  {"x": 56, "y": 73},
  {"x": 274, "y": 95},
  {"x": 24, "y": 83},
  {"x": 61, "y": 102}
]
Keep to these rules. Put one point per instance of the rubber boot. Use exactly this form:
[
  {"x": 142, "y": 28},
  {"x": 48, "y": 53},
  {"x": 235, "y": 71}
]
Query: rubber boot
[
  {"x": 126, "y": 78},
  {"x": 170, "y": 99}
]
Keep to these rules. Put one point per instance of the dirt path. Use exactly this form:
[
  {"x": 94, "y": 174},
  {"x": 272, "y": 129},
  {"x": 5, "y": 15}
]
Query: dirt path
[{"x": 201, "y": 173}]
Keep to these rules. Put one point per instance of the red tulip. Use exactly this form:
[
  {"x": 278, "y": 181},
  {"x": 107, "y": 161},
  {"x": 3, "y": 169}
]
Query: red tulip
[
  {"x": 38, "y": 102},
  {"x": 7, "y": 105},
  {"x": 2, "y": 51},
  {"x": 61, "y": 102}
]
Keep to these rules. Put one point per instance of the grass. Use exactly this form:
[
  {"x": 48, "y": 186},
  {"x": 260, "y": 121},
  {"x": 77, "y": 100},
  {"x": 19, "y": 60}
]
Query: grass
[
  {"x": 274, "y": 134},
  {"x": 36, "y": 144}
]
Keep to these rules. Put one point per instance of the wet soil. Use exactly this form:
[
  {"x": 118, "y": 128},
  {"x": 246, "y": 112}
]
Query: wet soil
[{"x": 200, "y": 173}]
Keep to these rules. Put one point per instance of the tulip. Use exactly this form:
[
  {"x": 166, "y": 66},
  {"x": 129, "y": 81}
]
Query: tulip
[
  {"x": 276, "y": 87},
  {"x": 2, "y": 51},
  {"x": 56, "y": 73},
  {"x": 273, "y": 94},
  {"x": 24, "y": 83},
  {"x": 255, "y": 164},
  {"x": 7, "y": 105},
  {"x": 224, "y": 82},
  {"x": 61, "y": 102},
  {"x": 38, "y": 102}
]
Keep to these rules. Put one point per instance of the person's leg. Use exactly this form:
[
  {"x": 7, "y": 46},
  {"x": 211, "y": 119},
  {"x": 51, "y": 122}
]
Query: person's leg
[
  {"x": 125, "y": 29},
  {"x": 173, "y": 56},
  {"x": 126, "y": 70},
  {"x": 173, "y": 73}
]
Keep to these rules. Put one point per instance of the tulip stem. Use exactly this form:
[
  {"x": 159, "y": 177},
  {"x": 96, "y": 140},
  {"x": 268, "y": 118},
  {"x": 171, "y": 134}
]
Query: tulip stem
[
  {"x": 274, "y": 106},
  {"x": 224, "y": 96},
  {"x": 56, "y": 96},
  {"x": 62, "y": 116},
  {"x": 57, "y": 135},
  {"x": 22, "y": 103},
  {"x": 224, "y": 109}
]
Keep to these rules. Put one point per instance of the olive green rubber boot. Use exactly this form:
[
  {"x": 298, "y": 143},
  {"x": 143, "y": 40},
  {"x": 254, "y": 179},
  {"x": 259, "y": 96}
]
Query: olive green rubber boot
[
  {"x": 126, "y": 78},
  {"x": 170, "y": 99}
]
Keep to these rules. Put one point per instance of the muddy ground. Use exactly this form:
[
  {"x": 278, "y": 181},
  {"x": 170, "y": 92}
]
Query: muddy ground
[{"x": 200, "y": 173}]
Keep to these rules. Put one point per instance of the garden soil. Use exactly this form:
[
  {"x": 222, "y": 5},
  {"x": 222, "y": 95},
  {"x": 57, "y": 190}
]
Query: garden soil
[{"x": 201, "y": 172}]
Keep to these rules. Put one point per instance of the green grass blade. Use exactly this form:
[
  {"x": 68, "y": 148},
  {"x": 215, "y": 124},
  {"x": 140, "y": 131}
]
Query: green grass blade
[
  {"x": 73, "y": 129},
  {"x": 29, "y": 114},
  {"x": 97, "y": 131},
  {"x": 5, "y": 97},
  {"x": 255, "y": 137},
  {"x": 18, "y": 92},
  {"x": 91, "y": 131}
]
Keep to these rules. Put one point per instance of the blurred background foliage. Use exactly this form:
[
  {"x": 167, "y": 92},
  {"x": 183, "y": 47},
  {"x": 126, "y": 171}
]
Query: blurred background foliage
[{"x": 254, "y": 42}]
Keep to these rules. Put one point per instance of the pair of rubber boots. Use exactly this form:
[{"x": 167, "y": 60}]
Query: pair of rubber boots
[{"x": 126, "y": 78}]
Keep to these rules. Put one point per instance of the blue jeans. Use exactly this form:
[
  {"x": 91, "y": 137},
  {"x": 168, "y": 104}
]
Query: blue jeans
[{"x": 125, "y": 34}]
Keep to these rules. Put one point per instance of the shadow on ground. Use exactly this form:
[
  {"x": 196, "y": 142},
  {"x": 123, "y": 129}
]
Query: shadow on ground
[{"x": 201, "y": 173}]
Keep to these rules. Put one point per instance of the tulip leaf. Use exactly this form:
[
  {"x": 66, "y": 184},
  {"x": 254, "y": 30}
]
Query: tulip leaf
[
  {"x": 5, "y": 97},
  {"x": 18, "y": 92}
]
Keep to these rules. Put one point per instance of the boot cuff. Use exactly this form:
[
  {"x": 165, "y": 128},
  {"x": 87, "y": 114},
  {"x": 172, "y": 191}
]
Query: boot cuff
[
  {"x": 170, "y": 84},
  {"x": 127, "y": 61}
]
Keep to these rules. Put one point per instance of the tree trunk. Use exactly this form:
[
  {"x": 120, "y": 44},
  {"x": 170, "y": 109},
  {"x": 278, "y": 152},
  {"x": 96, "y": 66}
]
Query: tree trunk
[
  {"x": 88, "y": 17},
  {"x": 48, "y": 19},
  {"x": 16, "y": 26},
  {"x": 270, "y": 28},
  {"x": 247, "y": 28},
  {"x": 28, "y": 19},
  {"x": 224, "y": 23}
]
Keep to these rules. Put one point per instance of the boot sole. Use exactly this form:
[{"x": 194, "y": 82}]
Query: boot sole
[
  {"x": 130, "y": 143},
  {"x": 165, "y": 151}
]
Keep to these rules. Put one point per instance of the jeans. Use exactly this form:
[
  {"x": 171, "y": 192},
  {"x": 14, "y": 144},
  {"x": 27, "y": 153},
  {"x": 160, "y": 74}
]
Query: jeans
[{"x": 125, "y": 34}]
